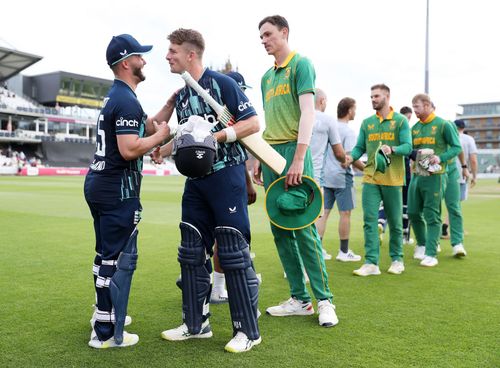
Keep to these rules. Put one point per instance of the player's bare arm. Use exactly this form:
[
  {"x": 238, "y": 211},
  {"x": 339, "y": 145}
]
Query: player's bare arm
[
  {"x": 294, "y": 174},
  {"x": 338, "y": 152},
  {"x": 132, "y": 146}
]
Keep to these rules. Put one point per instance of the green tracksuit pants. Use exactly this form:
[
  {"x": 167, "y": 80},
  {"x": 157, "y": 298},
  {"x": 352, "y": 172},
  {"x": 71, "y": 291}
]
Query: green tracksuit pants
[
  {"x": 424, "y": 209},
  {"x": 454, "y": 207},
  {"x": 299, "y": 248},
  {"x": 392, "y": 198}
]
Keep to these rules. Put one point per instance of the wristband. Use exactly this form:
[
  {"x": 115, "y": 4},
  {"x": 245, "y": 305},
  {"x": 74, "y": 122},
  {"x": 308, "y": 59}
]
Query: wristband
[
  {"x": 464, "y": 166},
  {"x": 230, "y": 134}
]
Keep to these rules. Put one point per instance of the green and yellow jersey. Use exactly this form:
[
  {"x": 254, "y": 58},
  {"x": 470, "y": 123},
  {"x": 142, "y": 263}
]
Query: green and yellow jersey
[
  {"x": 438, "y": 134},
  {"x": 281, "y": 87},
  {"x": 393, "y": 131}
]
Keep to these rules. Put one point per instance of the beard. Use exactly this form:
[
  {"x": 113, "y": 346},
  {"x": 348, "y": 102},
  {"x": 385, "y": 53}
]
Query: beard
[
  {"x": 138, "y": 73},
  {"x": 378, "y": 106}
]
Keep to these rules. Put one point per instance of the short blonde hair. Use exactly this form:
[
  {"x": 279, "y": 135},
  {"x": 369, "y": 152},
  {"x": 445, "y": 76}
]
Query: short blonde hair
[{"x": 422, "y": 97}]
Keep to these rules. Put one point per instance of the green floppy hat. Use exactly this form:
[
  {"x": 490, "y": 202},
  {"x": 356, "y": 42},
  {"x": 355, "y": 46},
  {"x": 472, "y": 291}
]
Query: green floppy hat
[
  {"x": 382, "y": 161},
  {"x": 296, "y": 208}
]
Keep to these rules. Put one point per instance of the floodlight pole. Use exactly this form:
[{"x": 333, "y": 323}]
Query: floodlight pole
[{"x": 427, "y": 50}]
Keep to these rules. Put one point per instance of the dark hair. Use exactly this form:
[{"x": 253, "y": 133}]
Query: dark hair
[
  {"x": 381, "y": 86},
  {"x": 275, "y": 20},
  {"x": 190, "y": 36},
  {"x": 344, "y": 105},
  {"x": 406, "y": 110}
]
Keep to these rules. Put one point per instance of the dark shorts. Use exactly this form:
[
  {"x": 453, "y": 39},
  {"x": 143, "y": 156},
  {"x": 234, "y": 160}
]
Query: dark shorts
[
  {"x": 113, "y": 225},
  {"x": 345, "y": 198},
  {"x": 219, "y": 199}
]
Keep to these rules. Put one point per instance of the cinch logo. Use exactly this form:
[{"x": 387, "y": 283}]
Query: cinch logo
[
  {"x": 244, "y": 105},
  {"x": 129, "y": 123}
]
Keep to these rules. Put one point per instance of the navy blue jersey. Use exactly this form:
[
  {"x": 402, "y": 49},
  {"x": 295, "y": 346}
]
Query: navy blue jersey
[
  {"x": 121, "y": 114},
  {"x": 226, "y": 92},
  {"x": 111, "y": 177}
]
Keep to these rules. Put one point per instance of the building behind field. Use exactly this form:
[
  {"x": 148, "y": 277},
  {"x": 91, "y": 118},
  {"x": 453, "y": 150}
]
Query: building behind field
[{"x": 482, "y": 123}]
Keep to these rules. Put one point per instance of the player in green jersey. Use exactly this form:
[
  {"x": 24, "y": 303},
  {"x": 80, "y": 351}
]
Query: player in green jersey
[
  {"x": 288, "y": 95},
  {"x": 386, "y": 131},
  {"x": 428, "y": 182}
]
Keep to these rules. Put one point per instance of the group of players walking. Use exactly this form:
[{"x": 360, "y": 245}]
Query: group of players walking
[{"x": 214, "y": 203}]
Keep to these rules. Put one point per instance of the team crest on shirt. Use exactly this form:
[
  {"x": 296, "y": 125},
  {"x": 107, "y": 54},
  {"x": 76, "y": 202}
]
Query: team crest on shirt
[
  {"x": 415, "y": 132},
  {"x": 371, "y": 126},
  {"x": 434, "y": 128},
  {"x": 393, "y": 125},
  {"x": 287, "y": 72}
]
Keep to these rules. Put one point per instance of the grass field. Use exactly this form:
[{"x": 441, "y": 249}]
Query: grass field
[{"x": 448, "y": 316}]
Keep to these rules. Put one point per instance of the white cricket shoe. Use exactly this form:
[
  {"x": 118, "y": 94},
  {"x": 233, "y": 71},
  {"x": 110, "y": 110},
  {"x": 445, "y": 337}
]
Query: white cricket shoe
[
  {"x": 291, "y": 307},
  {"x": 397, "y": 268},
  {"x": 326, "y": 256},
  {"x": 350, "y": 256},
  {"x": 128, "y": 340},
  {"x": 419, "y": 252},
  {"x": 241, "y": 343},
  {"x": 429, "y": 261},
  {"x": 459, "y": 250},
  {"x": 181, "y": 333},
  {"x": 367, "y": 269},
  {"x": 218, "y": 296},
  {"x": 327, "y": 315}
]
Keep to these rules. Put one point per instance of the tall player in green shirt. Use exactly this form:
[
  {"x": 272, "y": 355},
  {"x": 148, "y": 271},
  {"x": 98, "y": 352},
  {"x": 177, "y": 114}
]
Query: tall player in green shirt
[
  {"x": 288, "y": 96},
  {"x": 388, "y": 131},
  {"x": 426, "y": 191}
]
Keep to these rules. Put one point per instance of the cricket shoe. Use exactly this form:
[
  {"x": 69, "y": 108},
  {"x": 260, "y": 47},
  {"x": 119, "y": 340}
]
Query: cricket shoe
[
  {"x": 218, "y": 296},
  {"x": 419, "y": 252},
  {"x": 458, "y": 251},
  {"x": 291, "y": 307},
  {"x": 397, "y": 268},
  {"x": 367, "y": 269},
  {"x": 326, "y": 256},
  {"x": 128, "y": 340},
  {"x": 429, "y": 261},
  {"x": 327, "y": 316},
  {"x": 350, "y": 256},
  {"x": 181, "y": 333},
  {"x": 241, "y": 343}
]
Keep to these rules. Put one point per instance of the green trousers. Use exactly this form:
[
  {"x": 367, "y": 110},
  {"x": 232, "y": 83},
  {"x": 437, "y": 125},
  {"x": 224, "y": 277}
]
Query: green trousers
[
  {"x": 302, "y": 248},
  {"x": 454, "y": 207},
  {"x": 424, "y": 209},
  {"x": 392, "y": 197}
]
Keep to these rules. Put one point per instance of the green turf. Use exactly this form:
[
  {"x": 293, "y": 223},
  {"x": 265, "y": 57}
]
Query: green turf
[{"x": 447, "y": 316}]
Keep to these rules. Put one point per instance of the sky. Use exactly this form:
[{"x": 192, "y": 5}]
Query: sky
[{"x": 352, "y": 44}]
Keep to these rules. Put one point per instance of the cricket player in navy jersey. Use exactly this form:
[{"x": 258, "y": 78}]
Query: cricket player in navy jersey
[
  {"x": 214, "y": 205},
  {"x": 112, "y": 188}
]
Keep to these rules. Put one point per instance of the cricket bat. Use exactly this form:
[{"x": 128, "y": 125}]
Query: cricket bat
[{"x": 254, "y": 143}]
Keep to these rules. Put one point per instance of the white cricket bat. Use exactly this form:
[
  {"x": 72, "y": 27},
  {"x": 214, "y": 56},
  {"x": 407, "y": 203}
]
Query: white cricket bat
[{"x": 254, "y": 143}]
